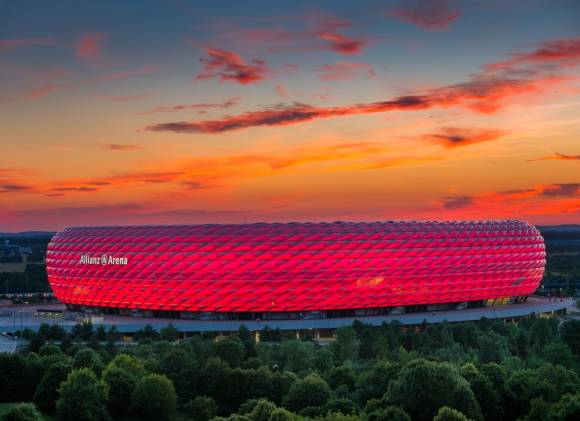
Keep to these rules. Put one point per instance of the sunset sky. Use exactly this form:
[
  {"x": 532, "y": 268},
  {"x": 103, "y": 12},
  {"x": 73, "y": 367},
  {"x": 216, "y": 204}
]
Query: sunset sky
[{"x": 149, "y": 112}]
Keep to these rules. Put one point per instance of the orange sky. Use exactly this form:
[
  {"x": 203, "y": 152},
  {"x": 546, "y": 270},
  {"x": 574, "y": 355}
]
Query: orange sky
[{"x": 301, "y": 113}]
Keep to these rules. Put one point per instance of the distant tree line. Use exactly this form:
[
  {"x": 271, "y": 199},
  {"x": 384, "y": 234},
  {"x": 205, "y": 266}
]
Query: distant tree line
[
  {"x": 490, "y": 370},
  {"x": 33, "y": 279}
]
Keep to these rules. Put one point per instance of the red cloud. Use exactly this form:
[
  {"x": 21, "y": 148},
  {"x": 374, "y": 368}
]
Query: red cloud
[
  {"x": 19, "y": 42},
  {"x": 293, "y": 114},
  {"x": 432, "y": 15},
  {"x": 230, "y": 102},
  {"x": 341, "y": 43},
  {"x": 282, "y": 91},
  {"x": 82, "y": 189},
  {"x": 452, "y": 137},
  {"x": 342, "y": 70},
  {"x": 558, "y": 157},
  {"x": 117, "y": 147},
  {"x": 484, "y": 92},
  {"x": 561, "y": 190},
  {"x": 9, "y": 187},
  {"x": 319, "y": 33},
  {"x": 562, "y": 52},
  {"x": 538, "y": 192},
  {"x": 229, "y": 66},
  {"x": 482, "y": 96},
  {"x": 89, "y": 46},
  {"x": 457, "y": 202},
  {"x": 42, "y": 91}
]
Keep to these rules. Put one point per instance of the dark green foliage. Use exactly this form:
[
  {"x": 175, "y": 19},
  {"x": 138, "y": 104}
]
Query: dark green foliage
[
  {"x": 341, "y": 376},
  {"x": 128, "y": 363},
  {"x": 374, "y": 382},
  {"x": 281, "y": 414},
  {"x": 201, "y": 408},
  {"x": 262, "y": 410},
  {"x": 558, "y": 352},
  {"x": 346, "y": 346},
  {"x": 17, "y": 384},
  {"x": 343, "y": 405},
  {"x": 493, "y": 348},
  {"x": 570, "y": 332},
  {"x": 449, "y": 414},
  {"x": 47, "y": 390},
  {"x": 83, "y": 397},
  {"x": 169, "y": 333},
  {"x": 248, "y": 406},
  {"x": 180, "y": 367},
  {"x": 487, "y": 396},
  {"x": 247, "y": 339},
  {"x": 121, "y": 385},
  {"x": 311, "y": 391},
  {"x": 22, "y": 412},
  {"x": 49, "y": 349},
  {"x": 33, "y": 279},
  {"x": 88, "y": 358},
  {"x": 83, "y": 331},
  {"x": 542, "y": 331},
  {"x": 36, "y": 342},
  {"x": 488, "y": 370},
  {"x": 296, "y": 355},
  {"x": 423, "y": 387},
  {"x": 231, "y": 350},
  {"x": 389, "y": 413},
  {"x": 567, "y": 409},
  {"x": 154, "y": 398},
  {"x": 322, "y": 360},
  {"x": 148, "y": 332}
]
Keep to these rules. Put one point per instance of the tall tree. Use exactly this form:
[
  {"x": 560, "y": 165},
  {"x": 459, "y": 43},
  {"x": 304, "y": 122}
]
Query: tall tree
[
  {"x": 346, "y": 346},
  {"x": 424, "y": 386},
  {"x": 47, "y": 390},
  {"x": 121, "y": 386},
  {"x": 83, "y": 397},
  {"x": 311, "y": 391},
  {"x": 154, "y": 398}
]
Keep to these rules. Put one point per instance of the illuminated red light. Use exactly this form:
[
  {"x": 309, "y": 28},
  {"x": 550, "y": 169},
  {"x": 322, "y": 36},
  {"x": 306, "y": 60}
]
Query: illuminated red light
[{"x": 294, "y": 266}]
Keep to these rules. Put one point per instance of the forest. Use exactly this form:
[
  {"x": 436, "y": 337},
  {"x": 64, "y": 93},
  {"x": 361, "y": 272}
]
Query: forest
[{"x": 489, "y": 370}]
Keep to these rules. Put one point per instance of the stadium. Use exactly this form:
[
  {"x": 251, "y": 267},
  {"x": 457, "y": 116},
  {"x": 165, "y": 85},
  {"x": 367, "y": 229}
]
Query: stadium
[{"x": 295, "y": 271}]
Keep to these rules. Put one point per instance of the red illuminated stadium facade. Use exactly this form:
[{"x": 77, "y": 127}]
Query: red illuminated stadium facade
[{"x": 295, "y": 270}]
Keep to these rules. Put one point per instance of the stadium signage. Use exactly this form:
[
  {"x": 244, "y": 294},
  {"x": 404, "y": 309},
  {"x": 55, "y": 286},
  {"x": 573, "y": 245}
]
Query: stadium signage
[{"x": 103, "y": 260}]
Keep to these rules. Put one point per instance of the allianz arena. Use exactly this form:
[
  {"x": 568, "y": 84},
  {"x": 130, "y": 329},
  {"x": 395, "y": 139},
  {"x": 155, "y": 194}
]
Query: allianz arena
[{"x": 295, "y": 270}]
